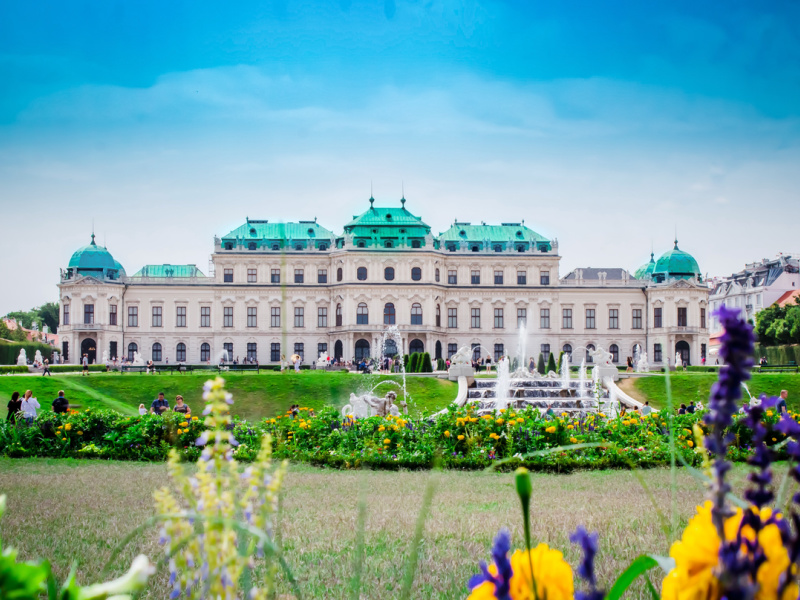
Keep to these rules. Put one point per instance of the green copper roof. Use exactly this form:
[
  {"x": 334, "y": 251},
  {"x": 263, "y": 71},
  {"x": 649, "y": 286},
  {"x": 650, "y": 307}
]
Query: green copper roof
[
  {"x": 169, "y": 271},
  {"x": 95, "y": 260},
  {"x": 263, "y": 235},
  {"x": 500, "y": 237},
  {"x": 387, "y": 227},
  {"x": 646, "y": 270},
  {"x": 676, "y": 264}
]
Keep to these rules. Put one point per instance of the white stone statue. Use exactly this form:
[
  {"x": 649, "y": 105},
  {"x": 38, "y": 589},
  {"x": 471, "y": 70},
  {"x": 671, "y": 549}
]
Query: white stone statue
[
  {"x": 105, "y": 357},
  {"x": 462, "y": 357},
  {"x": 22, "y": 359},
  {"x": 322, "y": 361},
  {"x": 602, "y": 358},
  {"x": 37, "y": 359},
  {"x": 678, "y": 361},
  {"x": 642, "y": 365},
  {"x": 138, "y": 361},
  {"x": 369, "y": 405}
]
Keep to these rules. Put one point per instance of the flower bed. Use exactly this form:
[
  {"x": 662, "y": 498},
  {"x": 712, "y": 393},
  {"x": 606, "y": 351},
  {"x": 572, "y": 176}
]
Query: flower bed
[{"x": 461, "y": 438}]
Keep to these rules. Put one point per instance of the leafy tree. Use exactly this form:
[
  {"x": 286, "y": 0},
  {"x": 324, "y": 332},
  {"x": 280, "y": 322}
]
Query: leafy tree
[
  {"x": 5, "y": 332},
  {"x": 551, "y": 363},
  {"x": 540, "y": 365},
  {"x": 49, "y": 314},
  {"x": 19, "y": 335}
]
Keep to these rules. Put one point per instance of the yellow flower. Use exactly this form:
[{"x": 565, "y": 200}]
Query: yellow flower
[
  {"x": 769, "y": 413},
  {"x": 381, "y": 428},
  {"x": 494, "y": 436},
  {"x": 563, "y": 414},
  {"x": 184, "y": 424},
  {"x": 570, "y": 427},
  {"x": 520, "y": 420},
  {"x": 551, "y": 429},
  {"x": 80, "y": 433},
  {"x": 690, "y": 443},
  {"x": 552, "y": 576},
  {"x": 387, "y": 441},
  {"x": 446, "y": 434},
  {"x": 696, "y": 557},
  {"x": 68, "y": 426},
  {"x": 461, "y": 437},
  {"x": 573, "y": 440},
  {"x": 499, "y": 421},
  {"x": 195, "y": 419},
  {"x": 602, "y": 415},
  {"x": 63, "y": 439}
]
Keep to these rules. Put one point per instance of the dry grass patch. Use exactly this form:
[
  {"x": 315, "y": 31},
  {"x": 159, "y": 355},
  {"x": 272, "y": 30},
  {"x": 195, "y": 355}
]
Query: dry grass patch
[{"x": 65, "y": 510}]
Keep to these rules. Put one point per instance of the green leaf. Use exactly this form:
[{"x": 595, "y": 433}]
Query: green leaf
[
  {"x": 639, "y": 566},
  {"x": 651, "y": 588}
]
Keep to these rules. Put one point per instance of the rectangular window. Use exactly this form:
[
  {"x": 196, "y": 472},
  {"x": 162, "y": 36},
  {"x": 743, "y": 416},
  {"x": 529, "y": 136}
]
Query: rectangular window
[
  {"x": 65, "y": 349},
  {"x": 227, "y": 316},
  {"x": 299, "y": 349},
  {"x": 475, "y": 277},
  {"x": 322, "y": 316},
  {"x": 252, "y": 275},
  {"x": 657, "y": 317},
  {"x": 452, "y": 277},
  {"x": 133, "y": 316},
  {"x": 275, "y": 276},
  {"x": 66, "y": 314},
  {"x": 228, "y": 347},
  {"x": 544, "y": 318},
  {"x": 545, "y": 349},
  {"x": 275, "y": 316},
  {"x": 252, "y": 316},
  {"x": 637, "y": 318},
  {"x": 252, "y": 352},
  {"x": 681, "y": 316},
  {"x": 613, "y": 318},
  {"x": 322, "y": 276},
  {"x": 299, "y": 316},
  {"x": 112, "y": 315},
  {"x": 274, "y": 352},
  {"x": 112, "y": 350},
  {"x": 702, "y": 350},
  {"x": 566, "y": 318},
  {"x": 227, "y": 275},
  {"x": 205, "y": 316},
  {"x": 157, "y": 314},
  {"x": 180, "y": 316},
  {"x": 498, "y": 278},
  {"x": 475, "y": 318},
  {"x": 590, "y": 323},
  {"x": 522, "y": 278},
  {"x": 657, "y": 353},
  {"x": 498, "y": 318},
  {"x": 499, "y": 350},
  {"x": 298, "y": 276},
  {"x": 452, "y": 318},
  {"x": 703, "y": 318},
  {"x": 88, "y": 314},
  {"x": 544, "y": 278},
  {"x": 451, "y": 349},
  {"x": 522, "y": 317}
]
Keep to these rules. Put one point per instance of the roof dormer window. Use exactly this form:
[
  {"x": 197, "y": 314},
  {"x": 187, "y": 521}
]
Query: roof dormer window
[
  {"x": 251, "y": 246},
  {"x": 388, "y": 217},
  {"x": 228, "y": 246},
  {"x": 276, "y": 247},
  {"x": 252, "y": 231}
]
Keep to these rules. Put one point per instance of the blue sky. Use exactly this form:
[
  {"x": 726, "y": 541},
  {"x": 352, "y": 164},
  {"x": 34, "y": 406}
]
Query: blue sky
[{"x": 605, "y": 125}]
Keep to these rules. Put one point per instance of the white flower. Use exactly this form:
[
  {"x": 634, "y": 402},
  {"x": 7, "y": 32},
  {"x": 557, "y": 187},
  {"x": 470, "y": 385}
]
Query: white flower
[{"x": 133, "y": 581}]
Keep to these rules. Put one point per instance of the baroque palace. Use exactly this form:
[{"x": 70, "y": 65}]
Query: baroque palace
[{"x": 298, "y": 288}]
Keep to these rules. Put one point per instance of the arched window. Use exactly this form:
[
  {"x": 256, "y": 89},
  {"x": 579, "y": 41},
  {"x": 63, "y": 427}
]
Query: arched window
[
  {"x": 338, "y": 315},
  {"x": 416, "y": 313},
  {"x": 180, "y": 352},
  {"x": 388, "y": 273},
  {"x": 416, "y": 346},
  {"x": 156, "y": 352},
  {"x": 388, "y": 314},
  {"x": 338, "y": 350},
  {"x": 389, "y": 244},
  {"x": 567, "y": 349},
  {"x": 362, "y": 314},
  {"x": 132, "y": 350},
  {"x": 438, "y": 350},
  {"x": 438, "y": 316},
  {"x": 205, "y": 352},
  {"x": 589, "y": 349},
  {"x": 437, "y": 276},
  {"x": 416, "y": 244},
  {"x": 361, "y": 273},
  {"x": 362, "y": 350},
  {"x": 361, "y": 244},
  {"x": 416, "y": 274},
  {"x": 339, "y": 274},
  {"x": 614, "y": 349}
]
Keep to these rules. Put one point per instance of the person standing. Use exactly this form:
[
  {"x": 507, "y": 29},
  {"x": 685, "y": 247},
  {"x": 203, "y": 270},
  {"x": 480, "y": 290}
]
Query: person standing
[
  {"x": 630, "y": 365},
  {"x": 61, "y": 404},
  {"x": 160, "y": 405},
  {"x": 646, "y": 409},
  {"x": 29, "y": 407},
  {"x": 782, "y": 408},
  {"x": 14, "y": 406},
  {"x": 85, "y": 363},
  {"x": 46, "y": 369}
]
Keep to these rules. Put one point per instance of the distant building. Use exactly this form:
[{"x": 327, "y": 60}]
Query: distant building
[
  {"x": 33, "y": 335},
  {"x": 279, "y": 289},
  {"x": 754, "y": 288}
]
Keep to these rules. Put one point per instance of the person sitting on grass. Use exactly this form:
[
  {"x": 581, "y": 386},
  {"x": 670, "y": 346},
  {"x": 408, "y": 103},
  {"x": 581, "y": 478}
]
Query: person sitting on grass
[
  {"x": 60, "y": 404},
  {"x": 646, "y": 409},
  {"x": 142, "y": 410},
  {"x": 682, "y": 409},
  {"x": 160, "y": 405},
  {"x": 181, "y": 407},
  {"x": 691, "y": 408}
]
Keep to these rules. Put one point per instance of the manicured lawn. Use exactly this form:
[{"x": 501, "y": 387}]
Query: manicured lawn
[
  {"x": 66, "y": 510},
  {"x": 697, "y": 386},
  {"x": 255, "y": 395}
]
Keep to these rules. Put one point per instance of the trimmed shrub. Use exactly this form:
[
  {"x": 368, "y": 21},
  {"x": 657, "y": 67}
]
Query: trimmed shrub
[
  {"x": 5, "y": 370},
  {"x": 441, "y": 365},
  {"x": 426, "y": 366},
  {"x": 413, "y": 363},
  {"x": 778, "y": 355},
  {"x": 551, "y": 363},
  {"x": 76, "y": 368},
  {"x": 9, "y": 351},
  {"x": 406, "y": 358},
  {"x": 540, "y": 365},
  {"x": 560, "y": 359}
]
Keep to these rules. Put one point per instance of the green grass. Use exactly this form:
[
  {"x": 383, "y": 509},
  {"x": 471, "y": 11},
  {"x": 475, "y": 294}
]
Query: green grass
[
  {"x": 255, "y": 395},
  {"x": 697, "y": 386},
  {"x": 66, "y": 510}
]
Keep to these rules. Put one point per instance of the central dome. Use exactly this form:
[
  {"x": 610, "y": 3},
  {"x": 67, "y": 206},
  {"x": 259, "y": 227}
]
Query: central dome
[
  {"x": 95, "y": 260},
  {"x": 676, "y": 264}
]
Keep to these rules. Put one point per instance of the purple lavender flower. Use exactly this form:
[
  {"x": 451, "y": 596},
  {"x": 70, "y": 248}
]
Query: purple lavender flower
[
  {"x": 501, "y": 581},
  {"x": 588, "y": 544},
  {"x": 762, "y": 456}
]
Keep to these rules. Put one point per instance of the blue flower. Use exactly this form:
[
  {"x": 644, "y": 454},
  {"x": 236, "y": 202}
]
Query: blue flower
[{"x": 501, "y": 581}]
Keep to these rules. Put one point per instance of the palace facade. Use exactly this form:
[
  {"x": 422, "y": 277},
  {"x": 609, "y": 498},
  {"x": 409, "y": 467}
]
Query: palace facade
[{"x": 285, "y": 288}]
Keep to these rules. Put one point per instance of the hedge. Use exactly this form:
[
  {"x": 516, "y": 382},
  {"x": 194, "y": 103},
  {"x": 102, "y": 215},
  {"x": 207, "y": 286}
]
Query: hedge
[
  {"x": 778, "y": 355},
  {"x": 7, "y": 369},
  {"x": 9, "y": 351},
  {"x": 76, "y": 368}
]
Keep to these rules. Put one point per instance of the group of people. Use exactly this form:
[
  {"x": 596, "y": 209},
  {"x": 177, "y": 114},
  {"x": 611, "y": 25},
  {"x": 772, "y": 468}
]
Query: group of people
[
  {"x": 27, "y": 406},
  {"x": 161, "y": 405}
]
